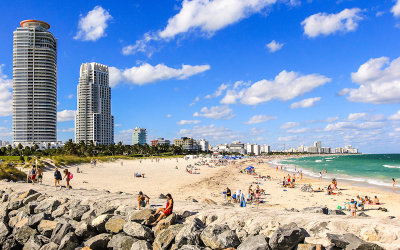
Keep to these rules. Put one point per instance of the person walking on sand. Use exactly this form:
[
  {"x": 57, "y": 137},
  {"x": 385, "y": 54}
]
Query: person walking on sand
[
  {"x": 143, "y": 200},
  {"x": 40, "y": 175},
  {"x": 165, "y": 212},
  {"x": 67, "y": 178},
  {"x": 33, "y": 175},
  {"x": 393, "y": 183},
  {"x": 353, "y": 207},
  {"x": 57, "y": 178},
  {"x": 228, "y": 194}
]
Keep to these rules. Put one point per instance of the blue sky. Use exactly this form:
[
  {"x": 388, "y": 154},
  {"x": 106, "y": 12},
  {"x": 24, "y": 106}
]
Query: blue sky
[{"x": 264, "y": 71}]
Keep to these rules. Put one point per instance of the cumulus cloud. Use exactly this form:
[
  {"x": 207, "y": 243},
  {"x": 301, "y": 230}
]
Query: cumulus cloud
[
  {"x": 204, "y": 16},
  {"x": 195, "y": 101},
  {"x": 188, "y": 122},
  {"x": 332, "y": 119},
  {"x": 305, "y": 103},
  {"x": 288, "y": 125},
  {"x": 93, "y": 26},
  {"x": 66, "y": 115},
  {"x": 298, "y": 130},
  {"x": 285, "y": 86},
  {"x": 274, "y": 46},
  {"x": 395, "y": 116},
  {"x": 353, "y": 125},
  {"x": 67, "y": 130},
  {"x": 211, "y": 133},
  {"x": 379, "y": 81},
  {"x": 5, "y": 94},
  {"x": 259, "y": 119},
  {"x": 356, "y": 116},
  {"x": 216, "y": 112},
  {"x": 218, "y": 92},
  {"x": 326, "y": 24},
  {"x": 147, "y": 73},
  {"x": 396, "y": 9},
  {"x": 287, "y": 138}
]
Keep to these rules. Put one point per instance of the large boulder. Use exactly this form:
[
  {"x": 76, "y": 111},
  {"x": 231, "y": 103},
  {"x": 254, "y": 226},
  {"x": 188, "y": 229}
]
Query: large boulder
[
  {"x": 115, "y": 225},
  {"x": 336, "y": 212},
  {"x": 318, "y": 210},
  {"x": 60, "y": 231},
  {"x": 257, "y": 242},
  {"x": 84, "y": 230},
  {"x": 14, "y": 220},
  {"x": 89, "y": 216},
  {"x": 219, "y": 236},
  {"x": 190, "y": 233},
  {"x": 23, "y": 234},
  {"x": 100, "y": 222},
  {"x": 141, "y": 245},
  {"x": 138, "y": 231},
  {"x": 140, "y": 215},
  {"x": 286, "y": 237},
  {"x": 351, "y": 241},
  {"x": 27, "y": 194},
  {"x": 69, "y": 242},
  {"x": 34, "y": 243},
  {"x": 165, "y": 238},
  {"x": 15, "y": 204},
  {"x": 11, "y": 244},
  {"x": 49, "y": 246},
  {"x": 76, "y": 213},
  {"x": 34, "y": 220},
  {"x": 98, "y": 242},
  {"x": 46, "y": 227},
  {"x": 165, "y": 223},
  {"x": 60, "y": 211},
  {"x": 104, "y": 208},
  {"x": 121, "y": 242},
  {"x": 47, "y": 206},
  {"x": 30, "y": 198},
  {"x": 4, "y": 231}
]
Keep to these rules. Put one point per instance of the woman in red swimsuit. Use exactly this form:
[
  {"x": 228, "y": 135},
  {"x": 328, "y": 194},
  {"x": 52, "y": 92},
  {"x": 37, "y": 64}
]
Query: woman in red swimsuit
[{"x": 165, "y": 211}]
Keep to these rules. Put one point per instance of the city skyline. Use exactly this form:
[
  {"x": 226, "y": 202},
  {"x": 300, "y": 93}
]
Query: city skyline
[{"x": 271, "y": 72}]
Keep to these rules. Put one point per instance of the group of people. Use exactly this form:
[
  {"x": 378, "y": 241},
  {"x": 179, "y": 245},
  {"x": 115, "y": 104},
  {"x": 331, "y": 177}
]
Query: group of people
[
  {"x": 144, "y": 200},
  {"x": 58, "y": 177},
  {"x": 35, "y": 175},
  {"x": 360, "y": 203},
  {"x": 288, "y": 182}
]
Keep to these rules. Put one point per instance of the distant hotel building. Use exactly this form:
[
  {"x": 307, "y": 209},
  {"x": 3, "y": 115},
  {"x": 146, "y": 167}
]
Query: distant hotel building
[
  {"x": 93, "y": 121},
  {"x": 139, "y": 136},
  {"x": 160, "y": 141},
  {"x": 34, "y": 84}
]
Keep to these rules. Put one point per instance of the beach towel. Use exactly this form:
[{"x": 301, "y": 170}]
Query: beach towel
[{"x": 242, "y": 201}]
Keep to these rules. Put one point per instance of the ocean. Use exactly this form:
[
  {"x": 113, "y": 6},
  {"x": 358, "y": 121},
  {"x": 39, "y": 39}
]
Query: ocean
[{"x": 373, "y": 169}]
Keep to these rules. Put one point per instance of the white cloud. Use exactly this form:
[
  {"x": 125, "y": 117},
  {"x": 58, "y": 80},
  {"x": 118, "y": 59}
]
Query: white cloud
[
  {"x": 66, "y": 115},
  {"x": 218, "y": 92},
  {"x": 93, "y": 26},
  {"x": 356, "y": 116},
  {"x": 285, "y": 86},
  {"x": 259, "y": 119},
  {"x": 288, "y": 125},
  {"x": 395, "y": 116},
  {"x": 326, "y": 24},
  {"x": 195, "y": 101},
  {"x": 168, "y": 115},
  {"x": 70, "y": 96},
  {"x": 305, "y": 103},
  {"x": 5, "y": 94},
  {"x": 205, "y": 16},
  {"x": 287, "y": 138},
  {"x": 5, "y": 132},
  {"x": 118, "y": 125},
  {"x": 188, "y": 122},
  {"x": 67, "y": 130},
  {"x": 298, "y": 130},
  {"x": 147, "y": 73},
  {"x": 396, "y": 9},
  {"x": 353, "y": 125},
  {"x": 274, "y": 46},
  {"x": 332, "y": 119},
  {"x": 256, "y": 131},
  {"x": 210, "y": 132},
  {"x": 216, "y": 112},
  {"x": 379, "y": 81}
]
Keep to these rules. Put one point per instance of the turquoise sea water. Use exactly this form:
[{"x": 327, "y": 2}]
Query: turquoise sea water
[{"x": 376, "y": 169}]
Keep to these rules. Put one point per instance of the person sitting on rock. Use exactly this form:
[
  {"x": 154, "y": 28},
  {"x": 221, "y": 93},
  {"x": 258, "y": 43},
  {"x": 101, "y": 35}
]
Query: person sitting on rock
[
  {"x": 143, "y": 200},
  {"x": 165, "y": 212}
]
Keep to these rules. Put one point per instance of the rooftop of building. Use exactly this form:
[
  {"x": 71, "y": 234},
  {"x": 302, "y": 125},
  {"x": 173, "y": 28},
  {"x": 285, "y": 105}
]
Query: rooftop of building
[{"x": 34, "y": 23}]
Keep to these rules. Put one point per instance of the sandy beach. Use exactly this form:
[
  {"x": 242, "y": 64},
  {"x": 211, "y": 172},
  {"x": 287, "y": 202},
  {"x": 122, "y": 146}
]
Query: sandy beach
[{"x": 210, "y": 182}]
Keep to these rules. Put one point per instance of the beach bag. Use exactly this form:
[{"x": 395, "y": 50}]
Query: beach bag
[
  {"x": 71, "y": 176},
  {"x": 242, "y": 201}
]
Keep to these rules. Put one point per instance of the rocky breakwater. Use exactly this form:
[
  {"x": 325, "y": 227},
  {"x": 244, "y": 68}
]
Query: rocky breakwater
[{"x": 37, "y": 219}]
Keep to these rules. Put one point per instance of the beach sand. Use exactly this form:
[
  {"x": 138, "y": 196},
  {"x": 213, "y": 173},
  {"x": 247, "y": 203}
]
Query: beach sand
[{"x": 163, "y": 177}]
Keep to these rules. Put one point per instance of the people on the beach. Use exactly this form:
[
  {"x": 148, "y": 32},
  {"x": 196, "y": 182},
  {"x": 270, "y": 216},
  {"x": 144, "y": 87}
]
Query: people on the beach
[
  {"x": 393, "y": 183},
  {"x": 33, "y": 175},
  {"x": 228, "y": 194},
  {"x": 57, "y": 177},
  {"x": 67, "y": 178},
  {"x": 143, "y": 200},
  {"x": 39, "y": 175},
  {"x": 164, "y": 212},
  {"x": 376, "y": 201},
  {"x": 353, "y": 207}
]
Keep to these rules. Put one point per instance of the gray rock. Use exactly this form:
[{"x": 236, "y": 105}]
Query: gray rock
[
  {"x": 100, "y": 222},
  {"x": 190, "y": 234},
  {"x": 30, "y": 198},
  {"x": 219, "y": 236},
  {"x": 292, "y": 210},
  {"x": 46, "y": 227},
  {"x": 162, "y": 196},
  {"x": 190, "y": 247},
  {"x": 105, "y": 209},
  {"x": 14, "y": 205},
  {"x": 141, "y": 245},
  {"x": 115, "y": 224},
  {"x": 138, "y": 231},
  {"x": 351, "y": 241},
  {"x": 59, "y": 232},
  {"x": 60, "y": 211},
  {"x": 23, "y": 234},
  {"x": 43, "y": 239},
  {"x": 4, "y": 231},
  {"x": 98, "y": 242},
  {"x": 27, "y": 194},
  {"x": 49, "y": 246},
  {"x": 77, "y": 212},
  {"x": 336, "y": 212},
  {"x": 11, "y": 244},
  {"x": 257, "y": 242},
  {"x": 88, "y": 216},
  {"x": 34, "y": 243},
  {"x": 47, "y": 206},
  {"x": 30, "y": 207},
  {"x": 165, "y": 223},
  {"x": 165, "y": 238},
  {"x": 4, "y": 197},
  {"x": 121, "y": 242},
  {"x": 286, "y": 237},
  {"x": 318, "y": 210},
  {"x": 69, "y": 242},
  {"x": 85, "y": 231},
  {"x": 140, "y": 215},
  {"x": 362, "y": 214},
  {"x": 34, "y": 220}
]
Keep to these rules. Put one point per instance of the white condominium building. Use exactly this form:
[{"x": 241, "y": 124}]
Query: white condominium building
[
  {"x": 139, "y": 136},
  {"x": 34, "y": 84},
  {"x": 93, "y": 121}
]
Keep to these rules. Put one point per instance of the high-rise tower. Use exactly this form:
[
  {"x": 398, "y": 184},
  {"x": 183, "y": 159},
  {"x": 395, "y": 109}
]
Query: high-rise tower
[
  {"x": 93, "y": 121},
  {"x": 34, "y": 84}
]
